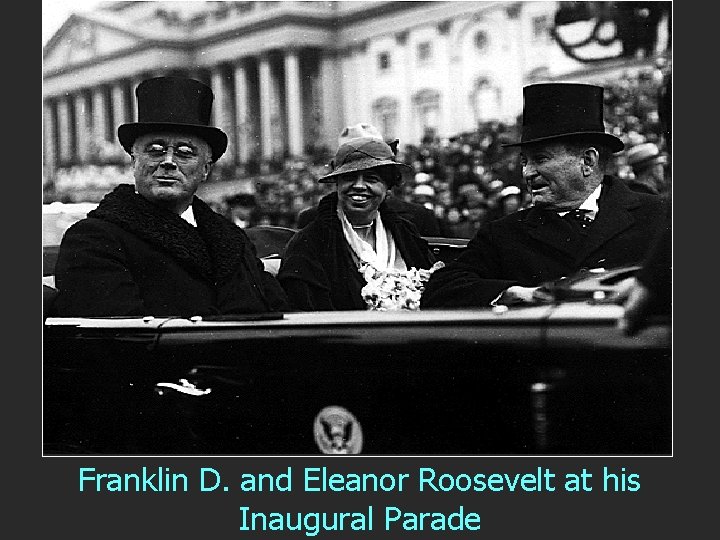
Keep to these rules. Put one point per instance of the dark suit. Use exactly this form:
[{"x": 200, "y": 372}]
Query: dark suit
[
  {"x": 533, "y": 246},
  {"x": 318, "y": 271},
  {"x": 131, "y": 258}
]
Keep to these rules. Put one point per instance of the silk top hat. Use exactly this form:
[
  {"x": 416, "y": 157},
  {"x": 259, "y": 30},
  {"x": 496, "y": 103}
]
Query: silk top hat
[
  {"x": 174, "y": 104},
  {"x": 560, "y": 110},
  {"x": 360, "y": 154}
]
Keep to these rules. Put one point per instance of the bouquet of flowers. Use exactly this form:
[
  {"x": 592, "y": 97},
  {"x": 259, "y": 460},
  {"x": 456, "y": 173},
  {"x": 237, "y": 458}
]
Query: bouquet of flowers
[{"x": 395, "y": 289}]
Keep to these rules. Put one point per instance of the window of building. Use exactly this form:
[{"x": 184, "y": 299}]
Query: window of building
[
  {"x": 424, "y": 52},
  {"x": 540, "y": 28},
  {"x": 481, "y": 40},
  {"x": 385, "y": 116},
  {"x": 383, "y": 61},
  {"x": 426, "y": 104}
]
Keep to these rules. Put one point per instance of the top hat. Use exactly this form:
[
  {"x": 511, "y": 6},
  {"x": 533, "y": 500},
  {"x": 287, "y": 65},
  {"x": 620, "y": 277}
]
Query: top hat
[
  {"x": 644, "y": 154},
  {"x": 174, "y": 104},
  {"x": 360, "y": 154},
  {"x": 561, "y": 110}
]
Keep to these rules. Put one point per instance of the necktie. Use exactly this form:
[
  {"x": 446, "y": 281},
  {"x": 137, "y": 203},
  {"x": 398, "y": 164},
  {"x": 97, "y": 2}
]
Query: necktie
[{"x": 579, "y": 217}]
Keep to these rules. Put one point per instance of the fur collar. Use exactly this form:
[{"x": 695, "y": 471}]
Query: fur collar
[{"x": 214, "y": 249}]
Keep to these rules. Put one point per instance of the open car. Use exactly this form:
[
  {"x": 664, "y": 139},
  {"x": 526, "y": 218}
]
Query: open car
[{"x": 553, "y": 378}]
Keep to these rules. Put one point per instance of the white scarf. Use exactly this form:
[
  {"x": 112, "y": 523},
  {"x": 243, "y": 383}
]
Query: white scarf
[{"x": 384, "y": 256}]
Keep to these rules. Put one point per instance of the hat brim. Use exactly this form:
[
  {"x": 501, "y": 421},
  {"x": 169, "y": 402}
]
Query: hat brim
[
  {"x": 615, "y": 144},
  {"x": 216, "y": 138},
  {"x": 361, "y": 165}
]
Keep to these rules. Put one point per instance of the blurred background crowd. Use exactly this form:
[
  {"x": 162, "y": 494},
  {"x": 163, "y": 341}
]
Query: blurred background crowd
[
  {"x": 470, "y": 178},
  {"x": 465, "y": 179}
]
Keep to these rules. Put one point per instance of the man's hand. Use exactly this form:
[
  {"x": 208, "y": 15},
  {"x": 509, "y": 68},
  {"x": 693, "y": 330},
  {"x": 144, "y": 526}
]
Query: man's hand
[
  {"x": 523, "y": 295},
  {"x": 636, "y": 299}
]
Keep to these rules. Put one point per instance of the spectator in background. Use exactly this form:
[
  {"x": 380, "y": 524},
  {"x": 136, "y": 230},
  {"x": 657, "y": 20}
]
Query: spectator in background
[
  {"x": 242, "y": 210},
  {"x": 648, "y": 167},
  {"x": 510, "y": 200},
  {"x": 580, "y": 218},
  {"x": 155, "y": 248}
]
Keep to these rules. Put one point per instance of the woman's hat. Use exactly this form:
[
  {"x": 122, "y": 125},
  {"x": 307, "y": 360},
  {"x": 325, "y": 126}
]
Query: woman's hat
[
  {"x": 561, "y": 110},
  {"x": 360, "y": 154},
  {"x": 174, "y": 104}
]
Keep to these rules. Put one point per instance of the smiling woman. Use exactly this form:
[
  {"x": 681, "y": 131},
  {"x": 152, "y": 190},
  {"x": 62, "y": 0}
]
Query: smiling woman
[{"x": 357, "y": 239}]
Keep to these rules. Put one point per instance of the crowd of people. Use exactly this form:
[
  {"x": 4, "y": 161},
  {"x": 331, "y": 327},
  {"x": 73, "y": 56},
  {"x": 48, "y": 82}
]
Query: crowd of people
[
  {"x": 465, "y": 180},
  {"x": 468, "y": 179}
]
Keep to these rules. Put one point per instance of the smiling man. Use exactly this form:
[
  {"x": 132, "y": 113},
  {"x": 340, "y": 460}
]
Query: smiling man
[
  {"x": 580, "y": 217},
  {"x": 155, "y": 248},
  {"x": 355, "y": 233}
]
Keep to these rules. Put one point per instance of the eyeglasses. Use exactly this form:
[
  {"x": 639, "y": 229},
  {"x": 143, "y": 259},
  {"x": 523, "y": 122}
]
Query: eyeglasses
[{"x": 182, "y": 151}]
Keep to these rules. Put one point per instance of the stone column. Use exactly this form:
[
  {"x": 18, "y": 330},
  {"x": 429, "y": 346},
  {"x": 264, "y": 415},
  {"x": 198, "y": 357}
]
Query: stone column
[
  {"x": 294, "y": 103},
  {"x": 82, "y": 126},
  {"x": 331, "y": 98},
  {"x": 242, "y": 113},
  {"x": 221, "y": 114},
  {"x": 64, "y": 134},
  {"x": 49, "y": 150},
  {"x": 119, "y": 103},
  {"x": 133, "y": 99},
  {"x": 447, "y": 97},
  {"x": 100, "y": 120},
  {"x": 265, "y": 83}
]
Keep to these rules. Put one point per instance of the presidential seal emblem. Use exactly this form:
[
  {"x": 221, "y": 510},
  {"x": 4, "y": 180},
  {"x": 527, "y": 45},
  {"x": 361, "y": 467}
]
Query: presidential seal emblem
[{"x": 337, "y": 431}]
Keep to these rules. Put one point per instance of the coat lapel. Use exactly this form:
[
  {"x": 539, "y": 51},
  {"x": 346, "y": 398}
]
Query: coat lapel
[
  {"x": 164, "y": 230},
  {"x": 547, "y": 227},
  {"x": 614, "y": 216}
]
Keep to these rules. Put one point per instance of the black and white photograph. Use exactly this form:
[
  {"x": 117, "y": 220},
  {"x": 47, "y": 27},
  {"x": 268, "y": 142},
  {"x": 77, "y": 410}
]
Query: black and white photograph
[{"x": 362, "y": 228}]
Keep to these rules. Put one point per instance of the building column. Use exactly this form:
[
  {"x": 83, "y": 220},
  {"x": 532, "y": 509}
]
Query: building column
[
  {"x": 119, "y": 103},
  {"x": 294, "y": 104},
  {"x": 64, "y": 135},
  {"x": 49, "y": 150},
  {"x": 221, "y": 111},
  {"x": 265, "y": 83},
  {"x": 362, "y": 112},
  {"x": 100, "y": 120},
  {"x": 447, "y": 98},
  {"x": 133, "y": 99},
  {"x": 82, "y": 126},
  {"x": 242, "y": 114},
  {"x": 331, "y": 98}
]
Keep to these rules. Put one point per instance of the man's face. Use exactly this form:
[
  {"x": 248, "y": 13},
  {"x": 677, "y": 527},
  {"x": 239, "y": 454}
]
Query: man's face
[
  {"x": 360, "y": 195},
  {"x": 554, "y": 176},
  {"x": 169, "y": 167}
]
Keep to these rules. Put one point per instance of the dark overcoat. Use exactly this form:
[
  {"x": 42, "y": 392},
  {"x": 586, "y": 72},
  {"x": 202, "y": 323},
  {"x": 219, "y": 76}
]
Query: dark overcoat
[
  {"x": 318, "y": 271},
  {"x": 533, "y": 246},
  {"x": 129, "y": 257}
]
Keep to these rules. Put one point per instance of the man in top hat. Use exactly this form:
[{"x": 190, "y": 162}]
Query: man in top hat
[
  {"x": 580, "y": 217},
  {"x": 325, "y": 264},
  {"x": 648, "y": 165},
  {"x": 155, "y": 248}
]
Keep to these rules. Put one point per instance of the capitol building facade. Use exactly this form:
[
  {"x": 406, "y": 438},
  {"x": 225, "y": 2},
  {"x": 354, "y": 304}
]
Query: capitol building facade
[{"x": 289, "y": 75}]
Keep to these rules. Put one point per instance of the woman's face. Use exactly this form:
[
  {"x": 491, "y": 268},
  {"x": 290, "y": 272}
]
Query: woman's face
[{"x": 360, "y": 195}]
